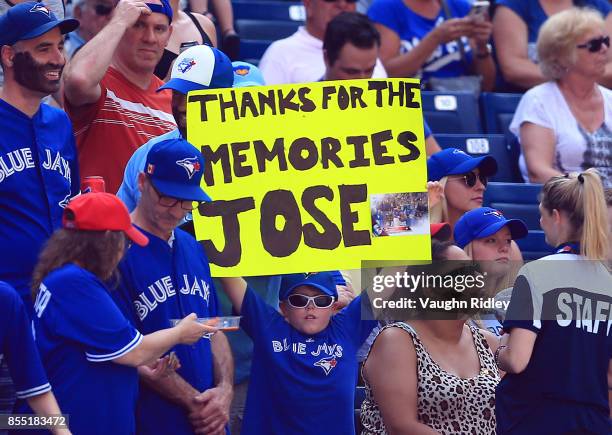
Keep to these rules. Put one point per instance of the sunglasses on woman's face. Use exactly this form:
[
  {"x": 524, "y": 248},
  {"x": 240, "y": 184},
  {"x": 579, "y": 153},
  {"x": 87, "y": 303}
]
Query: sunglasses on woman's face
[
  {"x": 102, "y": 10},
  {"x": 301, "y": 301},
  {"x": 471, "y": 177},
  {"x": 594, "y": 45}
]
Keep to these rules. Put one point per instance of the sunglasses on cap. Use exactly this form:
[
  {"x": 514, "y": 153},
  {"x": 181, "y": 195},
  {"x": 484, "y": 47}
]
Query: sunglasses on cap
[
  {"x": 103, "y": 10},
  {"x": 471, "y": 177},
  {"x": 594, "y": 45},
  {"x": 297, "y": 300}
]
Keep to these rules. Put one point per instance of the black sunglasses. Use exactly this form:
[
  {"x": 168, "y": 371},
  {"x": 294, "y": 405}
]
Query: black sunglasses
[
  {"x": 471, "y": 177},
  {"x": 300, "y": 301},
  {"x": 166, "y": 201},
  {"x": 594, "y": 45},
  {"x": 103, "y": 10}
]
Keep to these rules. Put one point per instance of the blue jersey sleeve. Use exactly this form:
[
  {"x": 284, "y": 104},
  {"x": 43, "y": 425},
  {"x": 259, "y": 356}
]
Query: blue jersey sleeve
[
  {"x": 84, "y": 312},
  {"x": 350, "y": 318},
  {"x": 128, "y": 191},
  {"x": 256, "y": 314},
  {"x": 426, "y": 129},
  {"x": 384, "y": 12},
  {"x": 18, "y": 346}
]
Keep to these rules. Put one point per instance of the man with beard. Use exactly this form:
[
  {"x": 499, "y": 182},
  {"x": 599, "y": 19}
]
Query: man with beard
[
  {"x": 38, "y": 162},
  {"x": 110, "y": 89},
  {"x": 197, "y": 68}
]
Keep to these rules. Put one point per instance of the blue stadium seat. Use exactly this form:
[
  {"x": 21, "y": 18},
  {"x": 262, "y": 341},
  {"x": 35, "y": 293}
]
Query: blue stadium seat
[
  {"x": 534, "y": 245},
  {"x": 498, "y": 110},
  {"x": 265, "y": 29},
  {"x": 451, "y": 112},
  {"x": 251, "y": 50},
  {"x": 515, "y": 200},
  {"x": 261, "y": 22},
  {"x": 269, "y": 10},
  {"x": 479, "y": 144}
]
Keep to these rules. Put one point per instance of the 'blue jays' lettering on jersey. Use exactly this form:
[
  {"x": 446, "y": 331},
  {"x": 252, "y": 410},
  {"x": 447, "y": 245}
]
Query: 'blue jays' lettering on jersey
[
  {"x": 314, "y": 376},
  {"x": 80, "y": 331},
  {"x": 17, "y": 346},
  {"x": 160, "y": 283},
  {"x": 38, "y": 174}
]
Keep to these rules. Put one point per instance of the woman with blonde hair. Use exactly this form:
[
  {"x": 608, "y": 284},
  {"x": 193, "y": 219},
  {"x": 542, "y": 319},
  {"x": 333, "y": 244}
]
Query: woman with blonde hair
[
  {"x": 565, "y": 124},
  {"x": 557, "y": 349}
]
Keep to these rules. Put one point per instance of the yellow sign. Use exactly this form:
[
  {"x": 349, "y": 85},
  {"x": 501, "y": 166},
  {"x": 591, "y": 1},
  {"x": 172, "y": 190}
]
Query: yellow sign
[{"x": 311, "y": 177}]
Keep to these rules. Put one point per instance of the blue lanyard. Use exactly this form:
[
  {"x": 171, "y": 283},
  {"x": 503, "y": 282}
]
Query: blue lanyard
[{"x": 568, "y": 248}]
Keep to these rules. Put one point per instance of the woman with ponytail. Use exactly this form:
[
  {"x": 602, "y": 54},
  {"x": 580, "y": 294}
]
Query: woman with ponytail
[{"x": 557, "y": 347}]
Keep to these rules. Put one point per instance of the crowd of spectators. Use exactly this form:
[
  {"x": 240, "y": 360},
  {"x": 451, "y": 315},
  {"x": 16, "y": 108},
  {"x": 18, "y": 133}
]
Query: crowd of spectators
[{"x": 97, "y": 305}]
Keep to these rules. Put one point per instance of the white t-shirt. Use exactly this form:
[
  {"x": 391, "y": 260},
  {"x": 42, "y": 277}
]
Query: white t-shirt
[
  {"x": 576, "y": 149},
  {"x": 299, "y": 59}
]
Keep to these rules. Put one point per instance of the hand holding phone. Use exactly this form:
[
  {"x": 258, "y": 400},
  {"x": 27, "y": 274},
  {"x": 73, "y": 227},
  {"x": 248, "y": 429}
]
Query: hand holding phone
[{"x": 480, "y": 10}]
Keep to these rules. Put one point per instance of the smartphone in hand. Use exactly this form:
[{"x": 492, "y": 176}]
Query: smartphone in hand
[{"x": 480, "y": 10}]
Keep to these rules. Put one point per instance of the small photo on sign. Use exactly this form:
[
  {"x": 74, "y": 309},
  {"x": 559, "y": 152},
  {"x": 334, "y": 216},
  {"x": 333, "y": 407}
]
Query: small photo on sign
[{"x": 399, "y": 214}]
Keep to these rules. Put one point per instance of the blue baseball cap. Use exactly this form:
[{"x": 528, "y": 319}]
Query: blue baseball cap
[
  {"x": 246, "y": 74},
  {"x": 200, "y": 67},
  {"x": 30, "y": 20},
  {"x": 175, "y": 167},
  {"x": 164, "y": 8},
  {"x": 453, "y": 161},
  {"x": 323, "y": 281},
  {"x": 483, "y": 222}
]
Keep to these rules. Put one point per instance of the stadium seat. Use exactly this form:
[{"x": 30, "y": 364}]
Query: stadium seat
[
  {"x": 451, "y": 112},
  {"x": 498, "y": 110},
  {"x": 261, "y": 22},
  {"x": 534, "y": 245},
  {"x": 515, "y": 200},
  {"x": 251, "y": 50},
  {"x": 479, "y": 144},
  {"x": 269, "y": 10}
]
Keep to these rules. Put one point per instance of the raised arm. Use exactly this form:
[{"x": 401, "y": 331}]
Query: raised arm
[
  {"x": 235, "y": 288},
  {"x": 391, "y": 372},
  {"x": 510, "y": 36},
  {"x": 84, "y": 73},
  {"x": 154, "y": 345}
]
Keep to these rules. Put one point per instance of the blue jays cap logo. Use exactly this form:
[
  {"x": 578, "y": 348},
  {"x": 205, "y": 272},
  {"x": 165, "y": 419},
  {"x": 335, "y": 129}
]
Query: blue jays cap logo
[
  {"x": 186, "y": 64},
  {"x": 495, "y": 213},
  {"x": 327, "y": 364},
  {"x": 190, "y": 164},
  {"x": 242, "y": 70},
  {"x": 459, "y": 152},
  {"x": 39, "y": 7},
  {"x": 308, "y": 275}
]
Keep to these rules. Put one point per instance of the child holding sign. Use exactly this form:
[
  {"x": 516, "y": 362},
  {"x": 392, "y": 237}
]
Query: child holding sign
[{"x": 304, "y": 369}]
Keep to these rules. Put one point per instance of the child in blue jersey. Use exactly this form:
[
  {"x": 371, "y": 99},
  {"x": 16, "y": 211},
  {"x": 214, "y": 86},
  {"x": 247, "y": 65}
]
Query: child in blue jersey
[
  {"x": 88, "y": 348},
  {"x": 304, "y": 370}
]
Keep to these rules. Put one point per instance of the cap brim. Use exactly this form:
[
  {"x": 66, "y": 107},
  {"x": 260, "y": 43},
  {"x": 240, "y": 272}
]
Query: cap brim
[
  {"x": 517, "y": 228},
  {"x": 136, "y": 236},
  {"x": 325, "y": 290},
  {"x": 65, "y": 26},
  {"x": 181, "y": 191},
  {"x": 182, "y": 86},
  {"x": 246, "y": 84},
  {"x": 486, "y": 164}
]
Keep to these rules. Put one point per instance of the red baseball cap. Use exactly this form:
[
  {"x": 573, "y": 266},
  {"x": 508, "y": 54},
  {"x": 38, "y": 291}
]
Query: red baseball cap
[
  {"x": 441, "y": 231},
  {"x": 101, "y": 211}
]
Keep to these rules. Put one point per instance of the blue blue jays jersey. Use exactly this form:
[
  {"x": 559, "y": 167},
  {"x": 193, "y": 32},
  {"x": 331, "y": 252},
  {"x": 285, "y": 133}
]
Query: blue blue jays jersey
[
  {"x": 17, "y": 346},
  {"x": 80, "y": 331},
  {"x": 160, "y": 283},
  {"x": 301, "y": 384},
  {"x": 38, "y": 174}
]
